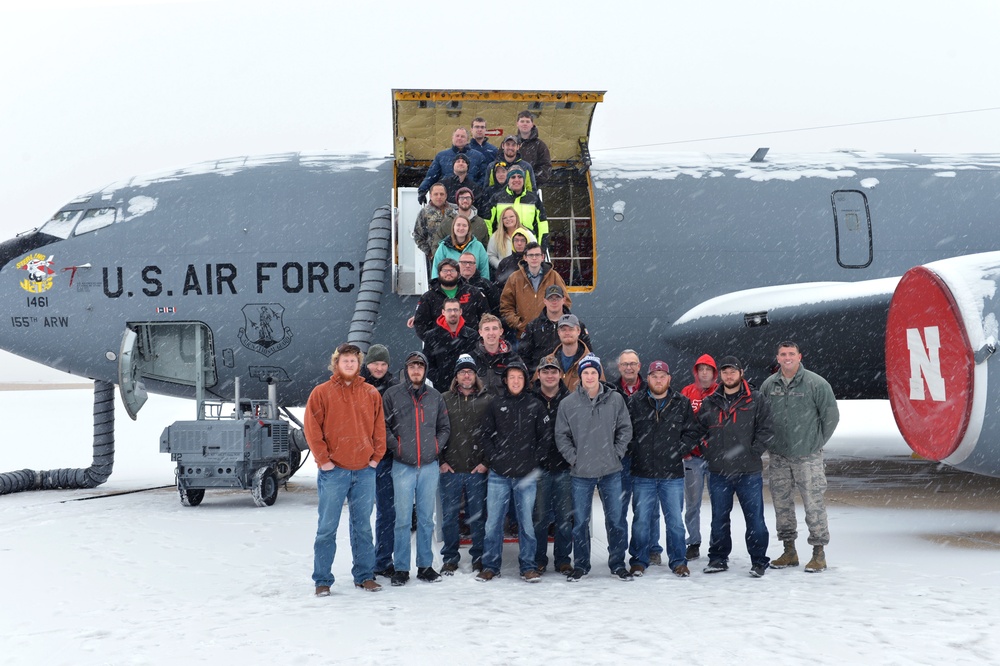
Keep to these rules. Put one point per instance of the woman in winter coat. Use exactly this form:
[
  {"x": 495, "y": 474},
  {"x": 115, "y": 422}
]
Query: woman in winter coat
[
  {"x": 501, "y": 244},
  {"x": 461, "y": 240}
]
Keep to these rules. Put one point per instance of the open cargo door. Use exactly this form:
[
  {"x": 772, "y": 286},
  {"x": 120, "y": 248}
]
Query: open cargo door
[{"x": 424, "y": 120}]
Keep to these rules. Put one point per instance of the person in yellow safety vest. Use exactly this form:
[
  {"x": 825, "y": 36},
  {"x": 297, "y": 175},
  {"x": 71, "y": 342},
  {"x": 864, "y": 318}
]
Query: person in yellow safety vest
[{"x": 527, "y": 205}]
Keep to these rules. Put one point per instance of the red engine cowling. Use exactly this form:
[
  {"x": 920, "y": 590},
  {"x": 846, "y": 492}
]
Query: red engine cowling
[{"x": 941, "y": 333}]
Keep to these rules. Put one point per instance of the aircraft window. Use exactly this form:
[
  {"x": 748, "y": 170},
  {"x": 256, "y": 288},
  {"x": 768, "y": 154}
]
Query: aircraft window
[
  {"x": 95, "y": 218},
  {"x": 62, "y": 223}
]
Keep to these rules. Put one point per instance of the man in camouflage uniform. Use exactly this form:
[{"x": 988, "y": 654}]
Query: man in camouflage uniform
[{"x": 805, "y": 415}]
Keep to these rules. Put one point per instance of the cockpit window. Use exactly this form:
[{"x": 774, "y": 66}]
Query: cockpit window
[
  {"x": 95, "y": 218},
  {"x": 62, "y": 223}
]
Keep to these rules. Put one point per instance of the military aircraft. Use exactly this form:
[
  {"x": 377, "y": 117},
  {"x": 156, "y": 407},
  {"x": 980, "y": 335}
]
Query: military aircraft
[{"x": 242, "y": 274}]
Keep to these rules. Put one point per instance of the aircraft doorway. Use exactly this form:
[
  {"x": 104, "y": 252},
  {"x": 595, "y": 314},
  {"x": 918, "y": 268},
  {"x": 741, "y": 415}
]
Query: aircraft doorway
[
  {"x": 853, "y": 227},
  {"x": 167, "y": 352}
]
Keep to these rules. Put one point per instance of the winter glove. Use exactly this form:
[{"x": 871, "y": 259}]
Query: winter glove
[{"x": 421, "y": 198}]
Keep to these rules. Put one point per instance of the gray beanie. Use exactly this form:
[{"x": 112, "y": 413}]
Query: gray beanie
[{"x": 377, "y": 353}]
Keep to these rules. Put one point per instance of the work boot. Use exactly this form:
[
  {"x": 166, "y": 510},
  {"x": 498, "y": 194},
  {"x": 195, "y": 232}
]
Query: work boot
[
  {"x": 789, "y": 558},
  {"x": 818, "y": 561}
]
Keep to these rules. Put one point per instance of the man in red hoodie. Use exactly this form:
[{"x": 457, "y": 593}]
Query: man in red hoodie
[
  {"x": 345, "y": 429},
  {"x": 695, "y": 467}
]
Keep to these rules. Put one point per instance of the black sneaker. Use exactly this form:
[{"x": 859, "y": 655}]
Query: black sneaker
[
  {"x": 386, "y": 573},
  {"x": 428, "y": 575},
  {"x": 758, "y": 570},
  {"x": 716, "y": 567},
  {"x": 694, "y": 552},
  {"x": 575, "y": 576},
  {"x": 449, "y": 568},
  {"x": 399, "y": 578},
  {"x": 622, "y": 575}
]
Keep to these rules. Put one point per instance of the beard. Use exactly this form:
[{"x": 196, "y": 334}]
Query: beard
[
  {"x": 734, "y": 384},
  {"x": 448, "y": 285}
]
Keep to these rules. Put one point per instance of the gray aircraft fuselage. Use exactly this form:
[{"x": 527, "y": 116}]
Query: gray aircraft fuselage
[{"x": 266, "y": 255}]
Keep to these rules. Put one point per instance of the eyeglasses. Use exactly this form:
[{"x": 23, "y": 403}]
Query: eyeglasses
[
  {"x": 515, "y": 175},
  {"x": 465, "y": 196},
  {"x": 538, "y": 255},
  {"x": 631, "y": 364},
  {"x": 468, "y": 263}
]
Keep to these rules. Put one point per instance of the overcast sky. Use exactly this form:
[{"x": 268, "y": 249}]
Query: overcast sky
[{"x": 94, "y": 91}]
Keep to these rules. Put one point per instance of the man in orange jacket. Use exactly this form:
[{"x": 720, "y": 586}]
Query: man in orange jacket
[{"x": 345, "y": 429}]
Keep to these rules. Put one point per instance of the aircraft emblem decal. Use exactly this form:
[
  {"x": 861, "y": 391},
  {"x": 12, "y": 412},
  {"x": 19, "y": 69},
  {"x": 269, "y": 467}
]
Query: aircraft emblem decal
[
  {"x": 264, "y": 333},
  {"x": 925, "y": 363},
  {"x": 39, "y": 273}
]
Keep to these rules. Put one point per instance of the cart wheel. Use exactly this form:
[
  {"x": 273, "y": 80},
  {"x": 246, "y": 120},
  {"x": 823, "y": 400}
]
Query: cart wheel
[
  {"x": 265, "y": 487},
  {"x": 190, "y": 497}
]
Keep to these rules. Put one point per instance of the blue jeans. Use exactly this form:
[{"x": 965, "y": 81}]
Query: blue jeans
[
  {"x": 452, "y": 486},
  {"x": 409, "y": 484},
  {"x": 629, "y": 498},
  {"x": 648, "y": 494},
  {"x": 554, "y": 503},
  {"x": 498, "y": 495},
  {"x": 749, "y": 489},
  {"x": 609, "y": 487},
  {"x": 358, "y": 488},
  {"x": 385, "y": 513},
  {"x": 695, "y": 475}
]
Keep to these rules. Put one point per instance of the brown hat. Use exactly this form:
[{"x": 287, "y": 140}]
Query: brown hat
[{"x": 549, "y": 361}]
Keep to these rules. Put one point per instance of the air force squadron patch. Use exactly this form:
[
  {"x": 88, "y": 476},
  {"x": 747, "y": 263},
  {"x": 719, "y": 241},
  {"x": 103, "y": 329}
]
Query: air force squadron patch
[
  {"x": 39, "y": 273},
  {"x": 264, "y": 332}
]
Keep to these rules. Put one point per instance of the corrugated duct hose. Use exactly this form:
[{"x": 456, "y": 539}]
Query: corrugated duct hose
[
  {"x": 372, "y": 279},
  {"x": 91, "y": 477}
]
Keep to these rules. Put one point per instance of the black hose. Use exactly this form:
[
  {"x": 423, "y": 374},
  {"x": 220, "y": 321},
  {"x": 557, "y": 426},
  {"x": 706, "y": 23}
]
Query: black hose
[
  {"x": 91, "y": 477},
  {"x": 366, "y": 307}
]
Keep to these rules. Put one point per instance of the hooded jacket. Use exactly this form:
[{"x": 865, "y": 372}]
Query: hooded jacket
[
  {"x": 693, "y": 391},
  {"x": 530, "y": 212},
  {"x": 517, "y": 435},
  {"x": 661, "y": 436},
  {"x": 493, "y": 187},
  {"x": 344, "y": 423},
  {"x": 442, "y": 348},
  {"x": 696, "y": 394},
  {"x": 520, "y": 302},
  {"x": 418, "y": 420},
  {"x": 552, "y": 460},
  {"x": 465, "y": 449},
  {"x": 736, "y": 429},
  {"x": 593, "y": 435},
  {"x": 805, "y": 413}
]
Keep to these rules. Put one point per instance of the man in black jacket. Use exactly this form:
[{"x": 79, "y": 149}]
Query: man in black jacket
[
  {"x": 663, "y": 432},
  {"x": 516, "y": 436},
  {"x": 554, "y": 494},
  {"x": 462, "y": 468},
  {"x": 448, "y": 284},
  {"x": 541, "y": 335},
  {"x": 449, "y": 338},
  {"x": 736, "y": 425}
]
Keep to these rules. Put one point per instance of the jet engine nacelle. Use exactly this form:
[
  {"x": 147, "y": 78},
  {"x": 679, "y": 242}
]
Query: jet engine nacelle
[{"x": 944, "y": 386}]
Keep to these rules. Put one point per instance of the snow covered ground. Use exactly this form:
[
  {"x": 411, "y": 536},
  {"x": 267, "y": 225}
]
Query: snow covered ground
[{"x": 140, "y": 579}]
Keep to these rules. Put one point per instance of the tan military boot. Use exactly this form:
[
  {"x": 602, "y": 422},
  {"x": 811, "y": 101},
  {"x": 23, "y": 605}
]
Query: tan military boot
[
  {"x": 818, "y": 561},
  {"x": 789, "y": 558}
]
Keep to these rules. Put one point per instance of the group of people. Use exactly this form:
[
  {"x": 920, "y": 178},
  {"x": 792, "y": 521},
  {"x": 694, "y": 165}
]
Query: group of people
[
  {"x": 485, "y": 200},
  {"x": 536, "y": 435}
]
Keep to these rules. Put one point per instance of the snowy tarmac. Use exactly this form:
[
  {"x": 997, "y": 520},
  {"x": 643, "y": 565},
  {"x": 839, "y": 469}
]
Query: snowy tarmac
[{"x": 139, "y": 579}]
